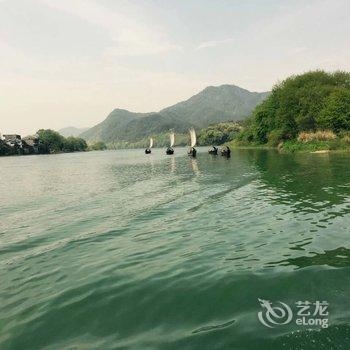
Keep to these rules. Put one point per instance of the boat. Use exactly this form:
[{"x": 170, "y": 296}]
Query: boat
[
  {"x": 170, "y": 149},
  {"x": 192, "y": 151},
  {"x": 226, "y": 152},
  {"x": 148, "y": 149},
  {"x": 213, "y": 151}
]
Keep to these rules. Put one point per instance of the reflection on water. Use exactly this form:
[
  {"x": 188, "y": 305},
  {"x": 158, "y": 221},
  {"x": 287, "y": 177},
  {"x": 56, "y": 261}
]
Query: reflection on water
[
  {"x": 194, "y": 165},
  {"x": 121, "y": 250},
  {"x": 173, "y": 164},
  {"x": 339, "y": 257},
  {"x": 307, "y": 181}
]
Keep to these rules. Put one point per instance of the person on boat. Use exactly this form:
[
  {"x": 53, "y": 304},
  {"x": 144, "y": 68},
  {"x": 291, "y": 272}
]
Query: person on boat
[
  {"x": 148, "y": 149},
  {"x": 169, "y": 150},
  {"x": 226, "y": 151},
  {"x": 213, "y": 150},
  {"x": 192, "y": 152}
]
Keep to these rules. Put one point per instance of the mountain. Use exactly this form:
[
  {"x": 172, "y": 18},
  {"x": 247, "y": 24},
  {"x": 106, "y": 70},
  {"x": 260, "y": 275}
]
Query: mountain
[
  {"x": 216, "y": 104},
  {"x": 212, "y": 105},
  {"x": 71, "y": 131},
  {"x": 128, "y": 126}
]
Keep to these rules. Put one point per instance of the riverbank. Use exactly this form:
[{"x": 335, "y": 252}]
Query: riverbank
[
  {"x": 45, "y": 142},
  {"x": 316, "y": 146},
  {"x": 304, "y": 113},
  {"x": 291, "y": 146}
]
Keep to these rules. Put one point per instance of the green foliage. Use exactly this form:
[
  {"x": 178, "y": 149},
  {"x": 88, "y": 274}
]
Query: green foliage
[
  {"x": 275, "y": 137},
  {"x": 297, "y": 146},
  {"x": 74, "y": 144},
  {"x": 98, "y": 146},
  {"x": 336, "y": 113},
  {"x": 217, "y": 134},
  {"x": 52, "y": 142},
  {"x": 307, "y": 102},
  {"x": 6, "y": 150}
]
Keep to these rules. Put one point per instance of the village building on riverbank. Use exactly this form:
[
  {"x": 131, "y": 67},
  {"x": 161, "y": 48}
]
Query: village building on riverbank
[{"x": 11, "y": 144}]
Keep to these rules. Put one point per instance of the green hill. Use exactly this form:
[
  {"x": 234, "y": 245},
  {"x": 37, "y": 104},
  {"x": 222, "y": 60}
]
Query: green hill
[
  {"x": 307, "y": 102},
  {"x": 212, "y": 105},
  {"x": 216, "y": 104},
  {"x": 312, "y": 109},
  {"x": 71, "y": 131}
]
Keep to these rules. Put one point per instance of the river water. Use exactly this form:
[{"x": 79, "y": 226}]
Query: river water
[{"x": 119, "y": 250}]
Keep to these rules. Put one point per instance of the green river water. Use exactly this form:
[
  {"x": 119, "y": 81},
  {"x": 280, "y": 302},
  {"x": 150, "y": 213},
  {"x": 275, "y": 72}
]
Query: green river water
[{"x": 119, "y": 250}]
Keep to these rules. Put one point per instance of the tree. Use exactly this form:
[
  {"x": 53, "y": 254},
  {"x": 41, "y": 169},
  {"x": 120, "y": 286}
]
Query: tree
[
  {"x": 336, "y": 112},
  {"x": 306, "y": 102},
  {"x": 98, "y": 146},
  {"x": 217, "y": 134},
  {"x": 74, "y": 144},
  {"x": 51, "y": 141}
]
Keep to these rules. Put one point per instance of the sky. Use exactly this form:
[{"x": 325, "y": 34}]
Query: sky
[{"x": 71, "y": 62}]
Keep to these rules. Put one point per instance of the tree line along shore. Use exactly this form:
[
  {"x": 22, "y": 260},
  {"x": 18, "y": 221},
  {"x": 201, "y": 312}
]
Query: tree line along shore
[
  {"x": 51, "y": 142},
  {"x": 306, "y": 112},
  {"x": 44, "y": 142}
]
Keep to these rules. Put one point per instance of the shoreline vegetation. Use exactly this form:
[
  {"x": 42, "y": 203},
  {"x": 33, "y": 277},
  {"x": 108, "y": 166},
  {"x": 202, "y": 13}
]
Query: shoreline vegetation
[
  {"x": 45, "y": 142},
  {"x": 309, "y": 112},
  {"x": 304, "y": 113},
  {"x": 213, "y": 134},
  {"x": 321, "y": 141}
]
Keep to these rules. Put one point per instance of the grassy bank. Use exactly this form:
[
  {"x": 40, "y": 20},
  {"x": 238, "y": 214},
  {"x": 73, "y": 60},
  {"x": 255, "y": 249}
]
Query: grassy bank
[
  {"x": 322, "y": 140},
  {"x": 247, "y": 145},
  {"x": 313, "y": 146}
]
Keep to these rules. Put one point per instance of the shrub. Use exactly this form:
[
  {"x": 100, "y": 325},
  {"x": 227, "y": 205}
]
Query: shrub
[
  {"x": 74, "y": 144},
  {"x": 98, "y": 146},
  {"x": 346, "y": 139},
  {"x": 344, "y": 135},
  {"x": 217, "y": 134},
  {"x": 320, "y": 135},
  {"x": 275, "y": 137}
]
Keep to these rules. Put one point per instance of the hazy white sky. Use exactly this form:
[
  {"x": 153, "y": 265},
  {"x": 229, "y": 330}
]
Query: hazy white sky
[{"x": 70, "y": 62}]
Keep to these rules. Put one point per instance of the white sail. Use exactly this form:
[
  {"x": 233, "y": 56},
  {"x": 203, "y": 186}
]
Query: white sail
[
  {"x": 151, "y": 142},
  {"x": 193, "y": 137},
  {"x": 172, "y": 139}
]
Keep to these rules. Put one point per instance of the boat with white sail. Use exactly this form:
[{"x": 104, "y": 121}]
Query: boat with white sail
[
  {"x": 148, "y": 149},
  {"x": 170, "y": 149},
  {"x": 192, "y": 151}
]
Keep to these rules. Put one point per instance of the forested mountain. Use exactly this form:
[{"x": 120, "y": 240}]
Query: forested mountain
[
  {"x": 213, "y": 104},
  {"x": 71, "y": 131},
  {"x": 122, "y": 125},
  {"x": 216, "y": 104}
]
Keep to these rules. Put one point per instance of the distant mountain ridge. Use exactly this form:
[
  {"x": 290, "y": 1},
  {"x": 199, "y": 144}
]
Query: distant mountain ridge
[
  {"x": 214, "y": 104},
  {"x": 72, "y": 131}
]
